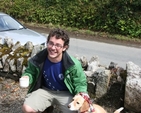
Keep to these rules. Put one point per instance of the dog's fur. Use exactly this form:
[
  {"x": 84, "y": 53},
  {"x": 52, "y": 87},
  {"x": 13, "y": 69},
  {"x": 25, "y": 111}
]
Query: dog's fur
[{"x": 81, "y": 105}]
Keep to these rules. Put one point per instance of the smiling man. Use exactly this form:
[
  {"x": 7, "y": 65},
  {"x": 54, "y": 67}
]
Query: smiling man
[{"x": 55, "y": 76}]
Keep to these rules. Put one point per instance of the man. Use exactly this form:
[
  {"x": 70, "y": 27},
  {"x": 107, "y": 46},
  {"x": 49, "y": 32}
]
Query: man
[{"x": 55, "y": 77}]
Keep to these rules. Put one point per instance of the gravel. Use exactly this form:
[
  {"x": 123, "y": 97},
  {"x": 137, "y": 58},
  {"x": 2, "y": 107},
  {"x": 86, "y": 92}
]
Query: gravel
[{"x": 11, "y": 96}]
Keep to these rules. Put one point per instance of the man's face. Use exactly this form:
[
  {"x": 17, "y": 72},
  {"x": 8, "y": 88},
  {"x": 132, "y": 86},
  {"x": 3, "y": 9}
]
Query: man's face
[{"x": 55, "y": 47}]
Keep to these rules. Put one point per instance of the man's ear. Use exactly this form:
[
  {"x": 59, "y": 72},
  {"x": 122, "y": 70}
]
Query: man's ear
[
  {"x": 65, "y": 47},
  {"x": 85, "y": 106}
]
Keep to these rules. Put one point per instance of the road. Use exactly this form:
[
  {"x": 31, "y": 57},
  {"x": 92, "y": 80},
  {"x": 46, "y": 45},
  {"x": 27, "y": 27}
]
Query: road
[{"x": 106, "y": 52}]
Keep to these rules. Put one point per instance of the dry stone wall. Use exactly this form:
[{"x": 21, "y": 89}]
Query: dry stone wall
[{"x": 14, "y": 57}]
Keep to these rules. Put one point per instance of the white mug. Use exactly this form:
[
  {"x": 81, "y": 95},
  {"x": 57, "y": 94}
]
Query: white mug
[{"x": 24, "y": 82}]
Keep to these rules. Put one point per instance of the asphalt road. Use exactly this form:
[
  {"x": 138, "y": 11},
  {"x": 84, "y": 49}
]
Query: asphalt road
[{"x": 106, "y": 52}]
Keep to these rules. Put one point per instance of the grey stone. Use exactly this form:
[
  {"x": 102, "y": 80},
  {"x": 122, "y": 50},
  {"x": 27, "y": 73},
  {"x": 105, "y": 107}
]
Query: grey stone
[{"x": 133, "y": 87}]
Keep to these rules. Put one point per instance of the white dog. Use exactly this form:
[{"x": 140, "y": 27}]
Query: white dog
[{"x": 81, "y": 103}]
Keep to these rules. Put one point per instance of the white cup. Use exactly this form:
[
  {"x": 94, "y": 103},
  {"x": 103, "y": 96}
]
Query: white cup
[{"x": 24, "y": 82}]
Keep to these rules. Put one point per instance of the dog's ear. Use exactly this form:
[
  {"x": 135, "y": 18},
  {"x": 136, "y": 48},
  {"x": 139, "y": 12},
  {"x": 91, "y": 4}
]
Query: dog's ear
[{"x": 85, "y": 106}]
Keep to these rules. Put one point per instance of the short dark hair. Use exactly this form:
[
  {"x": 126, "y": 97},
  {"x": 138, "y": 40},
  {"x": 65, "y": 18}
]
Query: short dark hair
[{"x": 59, "y": 34}]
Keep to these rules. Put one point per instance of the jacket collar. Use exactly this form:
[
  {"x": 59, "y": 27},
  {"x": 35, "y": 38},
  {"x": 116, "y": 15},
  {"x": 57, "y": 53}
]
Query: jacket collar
[
  {"x": 40, "y": 57},
  {"x": 67, "y": 61}
]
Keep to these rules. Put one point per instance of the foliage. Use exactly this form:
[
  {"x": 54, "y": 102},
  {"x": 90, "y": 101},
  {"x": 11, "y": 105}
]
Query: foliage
[
  {"x": 120, "y": 16},
  {"x": 113, "y": 16}
]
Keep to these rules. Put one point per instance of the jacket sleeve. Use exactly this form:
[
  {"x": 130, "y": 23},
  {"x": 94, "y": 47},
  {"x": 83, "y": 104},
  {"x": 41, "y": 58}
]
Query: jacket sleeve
[
  {"x": 32, "y": 72},
  {"x": 78, "y": 79}
]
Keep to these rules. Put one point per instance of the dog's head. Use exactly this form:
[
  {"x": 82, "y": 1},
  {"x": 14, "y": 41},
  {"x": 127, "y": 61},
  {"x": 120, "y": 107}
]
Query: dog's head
[{"x": 79, "y": 103}]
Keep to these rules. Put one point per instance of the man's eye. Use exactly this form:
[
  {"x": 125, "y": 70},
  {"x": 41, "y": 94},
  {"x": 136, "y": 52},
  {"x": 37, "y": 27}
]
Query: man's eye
[
  {"x": 58, "y": 45},
  {"x": 50, "y": 43}
]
